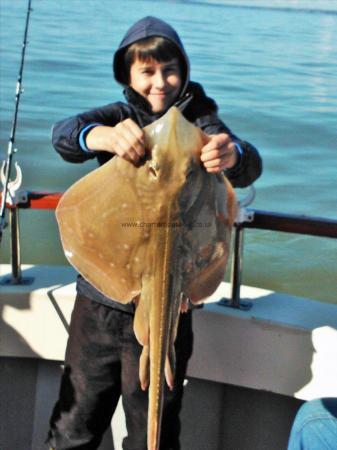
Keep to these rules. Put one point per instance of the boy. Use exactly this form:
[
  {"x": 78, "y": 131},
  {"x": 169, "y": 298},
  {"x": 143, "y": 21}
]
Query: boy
[{"x": 102, "y": 354}]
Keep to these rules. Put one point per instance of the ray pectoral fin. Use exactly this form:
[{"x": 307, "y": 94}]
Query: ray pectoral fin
[
  {"x": 170, "y": 365},
  {"x": 144, "y": 368},
  {"x": 93, "y": 216},
  {"x": 141, "y": 329},
  {"x": 141, "y": 321},
  {"x": 207, "y": 280}
]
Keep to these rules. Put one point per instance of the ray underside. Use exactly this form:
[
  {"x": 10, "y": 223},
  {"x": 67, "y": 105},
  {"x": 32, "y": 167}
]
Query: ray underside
[{"x": 152, "y": 234}]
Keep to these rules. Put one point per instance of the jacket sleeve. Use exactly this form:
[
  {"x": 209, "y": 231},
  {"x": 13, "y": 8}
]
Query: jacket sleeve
[
  {"x": 66, "y": 133},
  {"x": 202, "y": 111}
]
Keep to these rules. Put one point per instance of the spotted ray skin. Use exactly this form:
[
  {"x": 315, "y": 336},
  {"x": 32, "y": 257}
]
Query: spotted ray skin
[{"x": 153, "y": 234}]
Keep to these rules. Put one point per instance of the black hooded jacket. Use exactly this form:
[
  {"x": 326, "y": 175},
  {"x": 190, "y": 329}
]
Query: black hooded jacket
[{"x": 192, "y": 102}]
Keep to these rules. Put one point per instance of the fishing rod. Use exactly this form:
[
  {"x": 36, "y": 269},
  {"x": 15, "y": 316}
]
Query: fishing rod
[{"x": 10, "y": 149}]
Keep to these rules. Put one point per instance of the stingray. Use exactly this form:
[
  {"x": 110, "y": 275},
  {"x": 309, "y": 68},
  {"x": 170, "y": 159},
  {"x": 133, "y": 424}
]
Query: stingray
[{"x": 156, "y": 235}]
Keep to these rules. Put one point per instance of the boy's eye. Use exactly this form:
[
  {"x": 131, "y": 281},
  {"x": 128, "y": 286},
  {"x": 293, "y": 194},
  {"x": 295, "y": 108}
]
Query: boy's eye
[
  {"x": 171, "y": 69},
  {"x": 147, "y": 71}
]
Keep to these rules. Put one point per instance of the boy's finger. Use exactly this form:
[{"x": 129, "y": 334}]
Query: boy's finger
[
  {"x": 125, "y": 150},
  {"x": 136, "y": 142},
  {"x": 135, "y": 147},
  {"x": 128, "y": 143},
  {"x": 208, "y": 155},
  {"x": 208, "y": 147},
  {"x": 214, "y": 169},
  {"x": 139, "y": 149},
  {"x": 213, "y": 154},
  {"x": 137, "y": 132},
  {"x": 136, "y": 138},
  {"x": 213, "y": 159},
  {"x": 217, "y": 142},
  {"x": 213, "y": 163},
  {"x": 132, "y": 155}
]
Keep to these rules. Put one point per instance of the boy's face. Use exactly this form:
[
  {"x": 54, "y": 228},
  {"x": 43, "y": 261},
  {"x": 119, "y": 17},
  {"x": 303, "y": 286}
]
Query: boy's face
[{"x": 158, "y": 82}]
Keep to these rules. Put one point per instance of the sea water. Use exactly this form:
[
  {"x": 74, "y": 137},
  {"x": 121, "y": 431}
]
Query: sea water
[{"x": 272, "y": 71}]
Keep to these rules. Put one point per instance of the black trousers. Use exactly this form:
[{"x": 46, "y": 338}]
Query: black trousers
[{"x": 102, "y": 362}]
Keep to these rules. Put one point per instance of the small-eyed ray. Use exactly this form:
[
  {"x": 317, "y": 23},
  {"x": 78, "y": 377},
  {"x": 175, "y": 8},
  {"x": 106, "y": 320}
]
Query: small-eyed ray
[{"x": 156, "y": 234}]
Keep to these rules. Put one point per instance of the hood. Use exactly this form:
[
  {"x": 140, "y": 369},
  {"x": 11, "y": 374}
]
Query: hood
[{"x": 148, "y": 27}]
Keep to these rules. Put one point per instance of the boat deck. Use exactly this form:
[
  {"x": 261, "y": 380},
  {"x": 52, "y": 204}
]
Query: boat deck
[{"x": 249, "y": 372}]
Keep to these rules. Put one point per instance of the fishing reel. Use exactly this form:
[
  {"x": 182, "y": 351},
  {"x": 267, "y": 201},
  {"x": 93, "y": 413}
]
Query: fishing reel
[{"x": 13, "y": 197}]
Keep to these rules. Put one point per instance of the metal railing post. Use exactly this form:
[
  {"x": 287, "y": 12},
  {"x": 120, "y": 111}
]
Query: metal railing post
[
  {"x": 236, "y": 271},
  {"x": 14, "y": 225},
  {"x": 15, "y": 245},
  {"x": 243, "y": 216}
]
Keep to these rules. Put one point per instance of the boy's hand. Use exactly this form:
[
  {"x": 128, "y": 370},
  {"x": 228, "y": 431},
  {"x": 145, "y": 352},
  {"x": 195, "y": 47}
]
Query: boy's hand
[
  {"x": 125, "y": 139},
  {"x": 219, "y": 153}
]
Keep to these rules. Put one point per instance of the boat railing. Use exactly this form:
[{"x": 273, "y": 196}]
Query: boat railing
[{"x": 252, "y": 218}]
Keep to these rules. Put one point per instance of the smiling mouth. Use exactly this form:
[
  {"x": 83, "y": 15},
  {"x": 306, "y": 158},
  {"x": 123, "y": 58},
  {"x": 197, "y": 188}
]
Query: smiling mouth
[{"x": 160, "y": 94}]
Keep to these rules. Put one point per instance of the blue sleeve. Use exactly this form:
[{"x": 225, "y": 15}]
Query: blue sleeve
[
  {"x": 83, "y": 135},
  {"x": 240, "y": 153}
]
